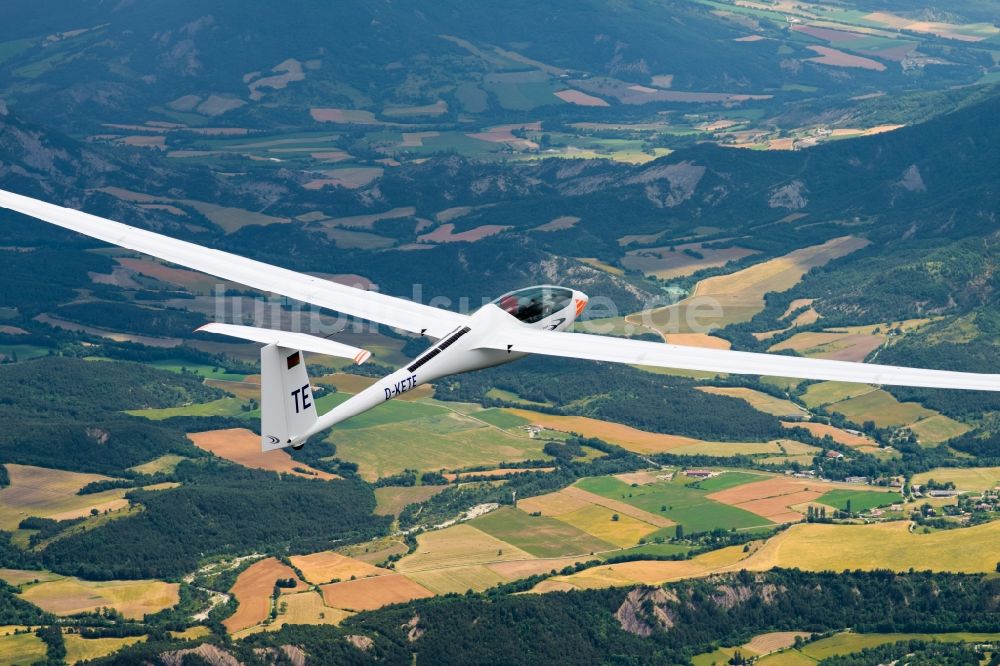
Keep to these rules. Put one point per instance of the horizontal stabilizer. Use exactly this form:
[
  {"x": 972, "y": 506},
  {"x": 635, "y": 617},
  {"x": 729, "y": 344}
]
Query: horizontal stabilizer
[{"x": 289, "y": 340}]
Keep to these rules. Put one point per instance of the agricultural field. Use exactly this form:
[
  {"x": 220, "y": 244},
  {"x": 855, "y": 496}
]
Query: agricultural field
[
  {"x": 819, "y": 547},
  {"x": 937, "y": 429},
  {"x": 849, "y": 642},
  {"x": 131, "y": 598},
  {"x": 436, "y": 439},
  {"x": 253, "y": 588},
  {"x": 861, "y": 500},
  {"x": 82, "y": 649},
  {"x": 601, "y": 522},
  {"x": 838, "y": 435},
  {"x": 165, "y": 464},
  {"x": 737, "y": 297},
  {"x": 371, "y": 593},
  {"x": 774, "y": 498},
  {"x": 51, "y": 493},
  {"x": 667, "y": 263},
  {"x": 228, "y": 406},
  {"x": 306, "y": 608},
  {"x": 837, "y": 346},
  {"x": 242, "y": 446},
  {"x": 758, "y": 400},
  {"x": 964, "y": 478},
  {"x": 391, "y": 500},
  {"x": 827, "y": 393},
  {"x": 542, "y": 536},
  {"x": 323, "y": 567},
  {"x": 457, "y": 545},
  {"x": 20, "y": 649},
  {"x": 690, "y": 507},
  {"x": 641, "y": 441},
  {"x": 882, "y": 408}
]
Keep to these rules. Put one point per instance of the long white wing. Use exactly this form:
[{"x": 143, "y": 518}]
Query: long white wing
[
  {"x": 638, "y": 352},
  {"x": 395, "y": 312}
]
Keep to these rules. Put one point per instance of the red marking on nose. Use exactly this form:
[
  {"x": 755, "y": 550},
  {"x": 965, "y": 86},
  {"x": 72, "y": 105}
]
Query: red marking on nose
[{"x": 581, "y": 303}]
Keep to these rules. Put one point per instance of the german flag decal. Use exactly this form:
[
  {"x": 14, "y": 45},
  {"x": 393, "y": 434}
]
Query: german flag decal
[{"x": 294, "y": 360}]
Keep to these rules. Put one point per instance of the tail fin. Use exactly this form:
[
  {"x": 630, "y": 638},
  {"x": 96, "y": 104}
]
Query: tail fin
[{"x": 287, "y": 406}]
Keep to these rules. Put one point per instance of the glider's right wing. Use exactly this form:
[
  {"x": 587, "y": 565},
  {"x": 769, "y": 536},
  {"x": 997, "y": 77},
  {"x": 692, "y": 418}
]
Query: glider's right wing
[
  {"x": 370, "y": 305},
  {"x": 639, "y": 352}
]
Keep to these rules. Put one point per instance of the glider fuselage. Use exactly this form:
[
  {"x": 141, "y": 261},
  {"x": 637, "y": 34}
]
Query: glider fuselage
[{"x": 543, "y": 307}]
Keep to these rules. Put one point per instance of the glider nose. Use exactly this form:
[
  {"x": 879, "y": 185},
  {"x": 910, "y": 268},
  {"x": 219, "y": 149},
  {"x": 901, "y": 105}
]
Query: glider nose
[{"x": 579, "y": 302}]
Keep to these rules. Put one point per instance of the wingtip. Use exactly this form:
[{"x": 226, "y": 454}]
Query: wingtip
[{"x": 362, "y": 356}]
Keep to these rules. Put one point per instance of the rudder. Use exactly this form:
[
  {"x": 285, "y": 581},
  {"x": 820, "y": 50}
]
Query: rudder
[{"x": 288, "y": 408}]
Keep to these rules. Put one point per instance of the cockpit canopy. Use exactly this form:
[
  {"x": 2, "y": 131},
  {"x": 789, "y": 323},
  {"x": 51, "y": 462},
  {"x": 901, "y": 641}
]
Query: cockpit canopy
[{"x": 535, "y": 303}]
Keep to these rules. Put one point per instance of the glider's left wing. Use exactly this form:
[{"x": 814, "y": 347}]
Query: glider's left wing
[
  {"x": 370, "y": 305},
  {"x": 639, "y": 352}
]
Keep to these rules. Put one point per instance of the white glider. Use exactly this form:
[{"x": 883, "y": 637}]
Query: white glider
[{"x": 526, "y": 321}]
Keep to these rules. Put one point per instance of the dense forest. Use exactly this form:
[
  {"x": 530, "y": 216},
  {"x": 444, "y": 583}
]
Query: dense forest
[{"x": 220, "y": 508}]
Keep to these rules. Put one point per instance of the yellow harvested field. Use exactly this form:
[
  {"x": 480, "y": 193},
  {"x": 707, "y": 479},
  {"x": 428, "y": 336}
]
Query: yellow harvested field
[
  {"x": 306, "y": 608},
  {"x": 553, "y": 504},
  {"x": 964, "y": 478},
  {"x": 51, "y": 493},
  {"x": 597, "y": 520},
  {"x": 132, "y": 598},
  {"x": 647, "y": 572},
  {"x": 758, "y": 400},
  {"x": 838, "y": 435},
  {"x": 774, "y": 641},
  {"x": 83, "y": 649},
  {"x": 560, "y": 223},
  {"x": 446, "y": 234},
  {"x": 476, "y": 577},
  {"x": 326, "y": 566},
  {"x": 737, "y": 297},
  {"x": 191, "y": 633},
  {"x": 253, "y": 588},
  {"x": 20, "y": 649},
  {"x": 242, "y": 446},
  {"x": 633, "y": 439},
  {"x": 618, "y": 507},
  {"x": 523, "y": 568},
  {"x": 818, "y": 547},
  {"x": 697, "y": 340},
  {"x": 642, "y": 478},
  {"x": 372, "y": 593},
  {"x": 165, "y": 463},
  {"x": 457, "y": 545}
]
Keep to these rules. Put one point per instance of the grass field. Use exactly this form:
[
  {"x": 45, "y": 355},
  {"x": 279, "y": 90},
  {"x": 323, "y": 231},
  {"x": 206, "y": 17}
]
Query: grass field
[
  {"x": 390, "y": 500},
  {"x": 132, "y": 598},
  {"x": 372, "y": 593},
  {"x": 18, "y": 577},
  {"x": 206, "y": 371},
  {"x": 882, "y": 408},
  {"x": 758, "y": 400},
  {"x": 861, "y": 500},
  {"x": 826, "y": 393},
  {"x": 937, "y": 429},
  {"x": 81, "y": 649},
  {"x": 501, "y": 418},
  {"x": 51, "y": 493},
  {"x": 253, "y": 588},
  {"x": 541, "y": 536},
  {"x": 20, "y": 649},
  {"x": 166, "y": 464},
  {"x": 964, "y": 478},
  {"x": 727, "y": 480},
  {"x": 687, "y": 506},
  {"x": 849, "y": 642},
  {"x": 323, "y": 567},
  {"x": 441, "y": 440},
  {"x": 242, "y": 446},
  {"x": 228, "y": 406}
]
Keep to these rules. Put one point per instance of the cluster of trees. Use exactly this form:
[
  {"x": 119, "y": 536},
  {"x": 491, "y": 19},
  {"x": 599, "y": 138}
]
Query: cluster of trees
[
  {"x": 219, "y": 509},
  {"x": 915, "y": 653}
]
